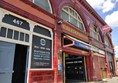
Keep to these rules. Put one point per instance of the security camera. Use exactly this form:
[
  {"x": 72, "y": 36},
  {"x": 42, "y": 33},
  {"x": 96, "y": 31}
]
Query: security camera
[{"x": 60, "y": 22}]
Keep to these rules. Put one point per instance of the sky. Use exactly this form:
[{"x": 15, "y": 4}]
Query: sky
[{"x": 108, "y": 10}]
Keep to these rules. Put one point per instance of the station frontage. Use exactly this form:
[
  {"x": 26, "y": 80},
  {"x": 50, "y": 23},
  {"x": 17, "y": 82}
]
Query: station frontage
[{"x": 57, "y": 42}]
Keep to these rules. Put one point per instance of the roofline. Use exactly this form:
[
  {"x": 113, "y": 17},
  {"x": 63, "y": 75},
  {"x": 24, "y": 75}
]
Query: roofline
[{"x": 92, "y": 11}]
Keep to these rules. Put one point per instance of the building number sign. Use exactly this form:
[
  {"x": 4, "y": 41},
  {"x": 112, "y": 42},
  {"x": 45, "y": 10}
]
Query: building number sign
[{"x": 18, "y": 22}]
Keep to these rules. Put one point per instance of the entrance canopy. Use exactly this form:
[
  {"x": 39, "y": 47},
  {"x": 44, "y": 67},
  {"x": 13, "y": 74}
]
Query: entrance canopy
[{"x": 75, "y": 43}]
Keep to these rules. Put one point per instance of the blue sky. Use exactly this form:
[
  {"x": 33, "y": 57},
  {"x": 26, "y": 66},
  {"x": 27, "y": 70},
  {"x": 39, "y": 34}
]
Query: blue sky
[{"x": 108, "y": 10}]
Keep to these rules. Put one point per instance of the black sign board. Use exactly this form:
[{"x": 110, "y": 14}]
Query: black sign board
[
  {"x": 10, "y": 19},
  {"x": 41, "y": 52}
]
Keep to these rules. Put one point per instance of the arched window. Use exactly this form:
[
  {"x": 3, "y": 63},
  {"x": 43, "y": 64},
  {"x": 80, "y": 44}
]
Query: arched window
[
  {"x": 45, "y": 4},
  {"x": 42, "y": 31},
  {"x": 95, "y": 33},
  {"x": 106, "y": 41},
  {"x": 71, "y": 16}
]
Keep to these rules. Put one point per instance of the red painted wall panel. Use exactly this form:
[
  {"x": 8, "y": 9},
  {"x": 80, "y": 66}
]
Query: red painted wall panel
[{"x": 41, "y": 76}]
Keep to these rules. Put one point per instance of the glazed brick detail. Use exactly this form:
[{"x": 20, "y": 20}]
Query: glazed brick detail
[
  {"x": 60, "y": 79},
  {"x": 41, "y": 77}
]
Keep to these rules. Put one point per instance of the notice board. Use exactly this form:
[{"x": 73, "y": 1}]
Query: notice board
[{"x": 41, "y": 52}]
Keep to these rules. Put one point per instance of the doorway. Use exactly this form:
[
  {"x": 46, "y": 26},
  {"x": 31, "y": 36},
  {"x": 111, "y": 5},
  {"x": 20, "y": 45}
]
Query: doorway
[
  {"x": 19, "y": 66},
  {"x": 74, "y": 69},
  {"x": 13, "y": 58}
]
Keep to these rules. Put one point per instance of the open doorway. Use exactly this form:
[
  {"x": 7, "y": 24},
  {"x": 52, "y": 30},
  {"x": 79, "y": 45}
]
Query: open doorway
[
  {"x": 74, "y": 69},
  {"x": 19, "y": 66},
  {"x": 13, "y": 58}
]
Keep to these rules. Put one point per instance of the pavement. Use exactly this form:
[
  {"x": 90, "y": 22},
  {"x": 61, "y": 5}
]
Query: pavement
[{"x": 107, "y": 80}]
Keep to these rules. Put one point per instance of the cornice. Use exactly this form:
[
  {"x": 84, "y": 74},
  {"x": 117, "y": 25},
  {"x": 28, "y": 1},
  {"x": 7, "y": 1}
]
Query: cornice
[{"x": 92, "y": 11}]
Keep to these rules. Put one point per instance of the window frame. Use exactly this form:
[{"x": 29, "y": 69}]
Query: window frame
[
  {"x": 106, "y": 42},
  {"x": 49, "y": 2},
  {"x": 95, "y": 33},
  {"x": 45, "y": 37},
  {"x": 75, "y": 16},
  {"x": 13, "y": 34}
]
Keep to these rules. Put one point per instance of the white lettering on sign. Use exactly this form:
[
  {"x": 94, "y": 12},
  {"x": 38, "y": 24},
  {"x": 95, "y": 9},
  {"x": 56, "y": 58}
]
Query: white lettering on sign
[{"x": 18, "y": 22}]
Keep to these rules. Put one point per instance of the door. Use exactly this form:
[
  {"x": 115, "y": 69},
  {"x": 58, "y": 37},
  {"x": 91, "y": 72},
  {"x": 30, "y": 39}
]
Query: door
[
  {"x": 74, "y": 69},
  {"x": 12, "y": 63},
  {"x": 7, "y": 51}
]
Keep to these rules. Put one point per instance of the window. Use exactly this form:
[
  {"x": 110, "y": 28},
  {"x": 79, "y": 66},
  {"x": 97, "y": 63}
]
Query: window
[
  {"x": 13, "y": 34},
  {"x": 42, "y": 31},
  {"x": 106, "y": 41},
  {"x": 3, "y": 32},
  {"x": 70, "y": 15},
  {"x": 45, "y": 4},
  {"x": 16, "y": 35},
  {"x": 42, "y": 48},
  {"x": 95, "y": 33},
  {"x": 21, "y": 36},
  {"x": 9, "y": 33}
]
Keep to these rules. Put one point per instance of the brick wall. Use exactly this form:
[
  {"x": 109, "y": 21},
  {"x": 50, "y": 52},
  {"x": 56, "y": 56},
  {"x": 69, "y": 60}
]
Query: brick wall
[
  {"x": 99, "y": 63},
  {"x": 41, "y": 77}
]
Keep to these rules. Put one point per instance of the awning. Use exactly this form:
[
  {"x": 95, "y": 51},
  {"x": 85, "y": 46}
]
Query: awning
[
  {"x": 81, "y": 45},
  {"x": 75, "y": 43}
]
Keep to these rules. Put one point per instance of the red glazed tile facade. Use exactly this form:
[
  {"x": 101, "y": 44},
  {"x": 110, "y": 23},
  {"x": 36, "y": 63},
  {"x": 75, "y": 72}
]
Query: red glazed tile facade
[{"x": 96, "y": 63}]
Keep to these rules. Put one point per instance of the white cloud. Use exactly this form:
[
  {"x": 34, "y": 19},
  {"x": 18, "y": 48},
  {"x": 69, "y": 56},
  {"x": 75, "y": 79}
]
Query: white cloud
[
  {"x": 107, "y": 6},
  {"x": 95, "y": 4},
  {"x": 103, "y": 5},
  {"x": 116, "y": 48},
  {"x": 112, "y": 19}
]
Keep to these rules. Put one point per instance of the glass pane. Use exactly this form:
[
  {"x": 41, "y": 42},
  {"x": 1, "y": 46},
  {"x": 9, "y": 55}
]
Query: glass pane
[
  {"x": 96, "y": 36},
  {"x": 3, "y": 32},
  {"x": 26, "y": 37},
  {"x": 21, "y": 36},
  {"x": 16, "y": 35},
  {"x": 93, "y": 34},
  {"x": 75, "y": 14},
  {"x": 73, "y": 21},
  {"x": 9, "y": 33},
  {"x": 71, "y": 12},
  {"x": 95, "y": 29},
  {"x": 79, "y": 18},
  {"x": 42, "y": 31},
  {"x": 43, "y": 4},
  {"x": 99, "y": 38},
  {"x": 65, "y": 16},
  {"x": 80, "y": 25},
  {"x": 66, "y": 8}
]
